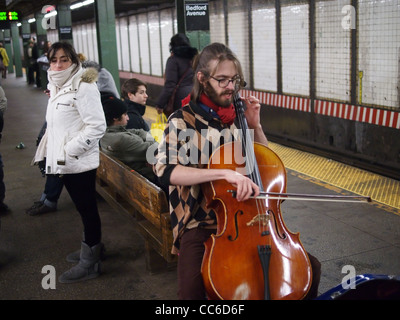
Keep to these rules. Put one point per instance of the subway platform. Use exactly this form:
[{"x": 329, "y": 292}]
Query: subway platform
[{"x": 363, "y": 237}]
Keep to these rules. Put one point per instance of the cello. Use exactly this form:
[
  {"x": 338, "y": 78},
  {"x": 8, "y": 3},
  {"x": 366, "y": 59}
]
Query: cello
[{"x": 253, "y": 255}]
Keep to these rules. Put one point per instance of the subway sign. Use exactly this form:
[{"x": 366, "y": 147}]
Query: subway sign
[
  {"x": 8, "y": 16},
  {"x": 197, "y": 16}
]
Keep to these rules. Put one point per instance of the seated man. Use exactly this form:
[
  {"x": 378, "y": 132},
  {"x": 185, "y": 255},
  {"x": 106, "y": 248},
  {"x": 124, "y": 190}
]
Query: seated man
[
  {"x": 127, "y": 145},
  {"x": 135, "y": 96}
]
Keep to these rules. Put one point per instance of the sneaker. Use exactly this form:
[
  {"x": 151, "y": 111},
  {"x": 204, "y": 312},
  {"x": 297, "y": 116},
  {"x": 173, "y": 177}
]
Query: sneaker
[
  {"x": 3, "y": 207},
  {"x": 36, "y": 204},
  {"x": 40, "y": 209}
]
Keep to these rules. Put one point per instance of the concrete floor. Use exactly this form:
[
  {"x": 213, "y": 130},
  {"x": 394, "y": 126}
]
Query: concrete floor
[
  {"x": 365, "y": 236},
  {"x": 28, "y": 243}
]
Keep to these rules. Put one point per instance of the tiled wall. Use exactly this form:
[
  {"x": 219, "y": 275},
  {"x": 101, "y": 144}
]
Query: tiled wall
[
  {"x": 134, "y": 45},
  {"x": 333, "y": 64},
  {"x": 379, "y": 51},
  {"x": 143, "y": 43},
  {"x": 264, "y": 46},
  {"x": 143, "y": 40},
  {"x": 123, "y": 43},
  {"x": 167, "y": 26},
  {"x": 295, "y": 49},
  {"x": 217, "y": 22},
  {"x": 52, "y": 35},
  {"x": 238, "y": 33}
]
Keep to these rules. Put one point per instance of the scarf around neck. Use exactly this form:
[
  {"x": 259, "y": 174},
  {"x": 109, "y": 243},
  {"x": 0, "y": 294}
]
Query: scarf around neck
[
  {"x": 59, "y": 78},
  {"x": 134, "y": 106},
  {"x": 227, "y": 115}
]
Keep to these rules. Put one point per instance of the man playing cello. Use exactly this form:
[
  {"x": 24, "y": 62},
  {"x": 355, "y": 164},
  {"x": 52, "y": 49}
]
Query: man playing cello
[{"x": 196, "y": 127}]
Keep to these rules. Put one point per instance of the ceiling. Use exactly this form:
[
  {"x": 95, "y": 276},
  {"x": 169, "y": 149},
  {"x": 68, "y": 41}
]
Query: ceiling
[{"x": 27, "y": 8}]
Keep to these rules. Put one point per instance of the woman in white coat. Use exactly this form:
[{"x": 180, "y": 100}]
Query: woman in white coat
[{"x": 75, "y": 124}]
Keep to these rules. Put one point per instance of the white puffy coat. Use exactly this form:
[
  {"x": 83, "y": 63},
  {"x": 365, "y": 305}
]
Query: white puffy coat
[{"x": 75, "y": 124}]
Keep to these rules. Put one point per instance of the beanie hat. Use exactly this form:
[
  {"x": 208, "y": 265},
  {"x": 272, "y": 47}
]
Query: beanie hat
[{"x": 113, "y": 108}]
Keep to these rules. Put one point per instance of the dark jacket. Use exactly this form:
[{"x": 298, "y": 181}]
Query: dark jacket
[
  {"x": 130, "y": 147},
  {"x": 135, "y": 113},
  {"x": 177, "y": 64}
]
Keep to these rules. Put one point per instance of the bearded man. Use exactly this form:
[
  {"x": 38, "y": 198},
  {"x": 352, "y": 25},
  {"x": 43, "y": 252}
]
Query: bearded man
[{"x": 206, "y": 121}]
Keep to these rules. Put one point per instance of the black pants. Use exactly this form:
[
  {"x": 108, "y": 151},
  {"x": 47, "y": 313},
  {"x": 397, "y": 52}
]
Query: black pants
[
  {"x": 31, "y": 74},
  {"x": 82, "y": 189}
]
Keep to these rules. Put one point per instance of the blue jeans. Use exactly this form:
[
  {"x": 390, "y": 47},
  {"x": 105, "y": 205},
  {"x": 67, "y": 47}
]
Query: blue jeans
[{"x": 53, "y": 188}]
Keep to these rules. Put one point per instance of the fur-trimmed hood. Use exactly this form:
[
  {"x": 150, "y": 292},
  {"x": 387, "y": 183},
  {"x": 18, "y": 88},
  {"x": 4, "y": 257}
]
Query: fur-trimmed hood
[
  {"x": 90, "y": 75},
  {"x": 105, "y": 80}
]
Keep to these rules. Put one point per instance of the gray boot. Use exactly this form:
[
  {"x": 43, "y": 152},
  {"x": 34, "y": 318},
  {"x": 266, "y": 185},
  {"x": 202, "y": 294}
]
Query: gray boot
[
  {"x": 87, "y": 268},
  {"x": 75, "y": 256}
]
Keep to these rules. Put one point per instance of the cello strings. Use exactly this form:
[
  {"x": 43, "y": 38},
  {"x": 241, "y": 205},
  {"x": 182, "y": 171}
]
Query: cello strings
[{"x": 251, "y": 164}]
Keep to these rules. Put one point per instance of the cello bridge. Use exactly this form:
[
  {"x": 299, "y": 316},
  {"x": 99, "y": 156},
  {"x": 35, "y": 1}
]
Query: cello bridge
[{"x": 259, "y": 219}]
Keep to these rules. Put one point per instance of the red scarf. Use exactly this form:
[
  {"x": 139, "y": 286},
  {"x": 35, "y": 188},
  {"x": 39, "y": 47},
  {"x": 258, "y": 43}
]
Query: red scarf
[
  {"x": 227, "y": 115},
  {"x": 186, "y": 100}
]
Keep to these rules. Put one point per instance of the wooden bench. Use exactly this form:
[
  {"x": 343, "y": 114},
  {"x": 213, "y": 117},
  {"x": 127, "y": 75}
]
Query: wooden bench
[{"x": 128, "y": 191}]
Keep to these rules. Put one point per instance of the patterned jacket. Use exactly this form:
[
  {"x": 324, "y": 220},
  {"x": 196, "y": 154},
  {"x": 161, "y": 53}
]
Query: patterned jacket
[{"x": 190, "y": 137}]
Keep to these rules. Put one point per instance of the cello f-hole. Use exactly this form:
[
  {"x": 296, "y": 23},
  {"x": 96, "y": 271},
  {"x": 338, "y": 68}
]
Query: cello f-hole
[
  {"x": 236, "y": 226},
  {"x": 281, "y": 235}
]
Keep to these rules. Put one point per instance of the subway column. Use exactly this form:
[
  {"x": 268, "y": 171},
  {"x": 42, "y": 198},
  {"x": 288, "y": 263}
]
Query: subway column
[{"x": 106, "y": 37}]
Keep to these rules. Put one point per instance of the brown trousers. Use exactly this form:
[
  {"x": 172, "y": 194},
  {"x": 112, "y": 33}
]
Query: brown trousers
[{"x": 190, "y": 281}]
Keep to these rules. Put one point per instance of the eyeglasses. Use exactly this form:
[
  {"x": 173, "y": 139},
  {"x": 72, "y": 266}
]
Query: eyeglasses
[{"x": 223, "y": 83}]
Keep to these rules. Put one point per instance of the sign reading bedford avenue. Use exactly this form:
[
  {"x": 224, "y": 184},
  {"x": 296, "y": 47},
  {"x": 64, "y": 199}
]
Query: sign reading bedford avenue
[{"x": 197, "y": 16}]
